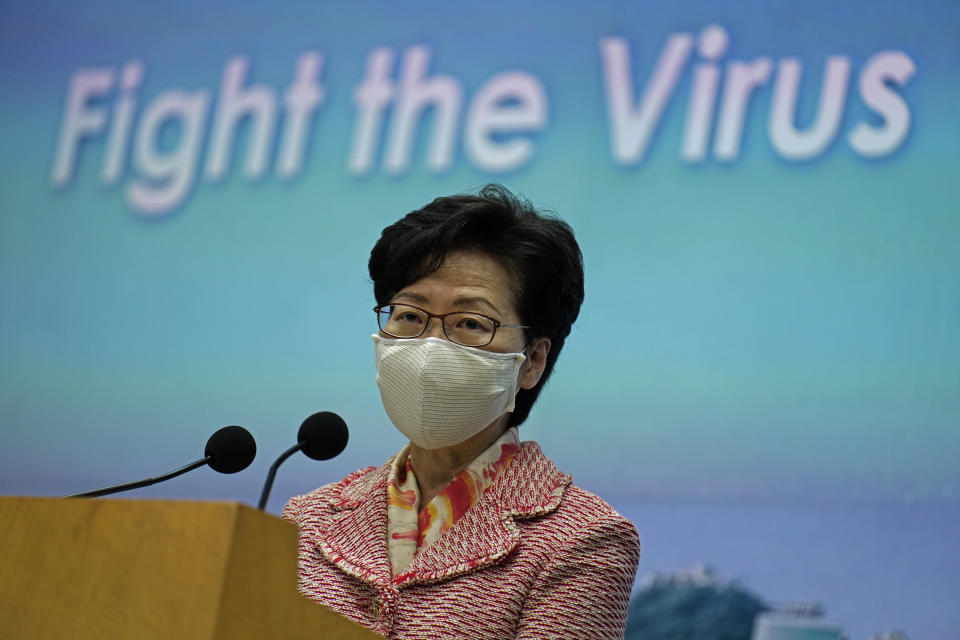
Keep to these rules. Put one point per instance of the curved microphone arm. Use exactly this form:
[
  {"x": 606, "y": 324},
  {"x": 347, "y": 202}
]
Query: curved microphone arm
[
  {"x": 141, "y": 483},
  {"x": 268, "y": 485}
]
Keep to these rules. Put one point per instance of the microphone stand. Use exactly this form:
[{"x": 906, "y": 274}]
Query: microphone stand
[
  {"x": 141, "y": 483},
  {"x": 268, "y": 485}
]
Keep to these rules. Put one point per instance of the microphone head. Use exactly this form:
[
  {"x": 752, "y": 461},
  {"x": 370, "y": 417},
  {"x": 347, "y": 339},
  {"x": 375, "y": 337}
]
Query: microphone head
[
  {"x": 231, "y": 449},
  {"x": 323, "y": 435}
]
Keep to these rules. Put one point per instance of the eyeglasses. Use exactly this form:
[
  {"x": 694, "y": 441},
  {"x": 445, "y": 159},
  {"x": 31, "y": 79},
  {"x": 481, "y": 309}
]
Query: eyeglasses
[{"x": 464, "y": 328}]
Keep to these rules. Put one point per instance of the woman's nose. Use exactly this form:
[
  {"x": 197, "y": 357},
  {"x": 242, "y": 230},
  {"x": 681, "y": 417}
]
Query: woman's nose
[{"x": 434, "y": 329}]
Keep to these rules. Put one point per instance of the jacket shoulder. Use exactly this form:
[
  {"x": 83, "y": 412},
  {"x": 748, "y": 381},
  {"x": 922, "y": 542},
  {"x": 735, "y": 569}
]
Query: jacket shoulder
[
  {"x": 541, "y": 492},
  {"x": 581, "y": 511},
  {"x": 579, "y": 499}
]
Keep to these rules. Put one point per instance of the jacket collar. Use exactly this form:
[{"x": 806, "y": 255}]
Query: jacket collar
[{"x": 356, "y": 541}]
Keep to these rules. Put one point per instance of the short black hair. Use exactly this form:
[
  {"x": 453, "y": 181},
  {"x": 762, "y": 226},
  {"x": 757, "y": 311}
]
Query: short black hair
[{"x": 537, "y": 249}]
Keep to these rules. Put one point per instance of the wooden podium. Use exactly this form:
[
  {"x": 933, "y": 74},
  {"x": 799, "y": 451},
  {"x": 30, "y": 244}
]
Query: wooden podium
[{"x": 142, "y": 569}]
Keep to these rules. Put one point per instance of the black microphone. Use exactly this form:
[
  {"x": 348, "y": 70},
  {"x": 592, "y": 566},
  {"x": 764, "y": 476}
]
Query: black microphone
[
  {"x": 322, "y": 436},
  {"x": 229, "y": 450}
]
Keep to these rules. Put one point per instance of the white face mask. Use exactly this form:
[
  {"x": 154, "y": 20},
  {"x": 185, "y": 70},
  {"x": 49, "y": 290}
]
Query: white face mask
[{"x": 438, "y": 393}]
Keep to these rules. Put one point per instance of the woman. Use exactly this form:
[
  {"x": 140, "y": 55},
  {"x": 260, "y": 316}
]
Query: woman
[{"x": 467, "y": 532}]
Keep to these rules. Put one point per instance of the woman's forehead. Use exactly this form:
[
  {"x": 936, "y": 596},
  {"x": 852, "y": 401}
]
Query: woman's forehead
[{"x": 464, "y": 277}]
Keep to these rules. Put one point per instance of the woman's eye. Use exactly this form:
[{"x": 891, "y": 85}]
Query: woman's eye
[
  {"x": 408, "y": 317},
  {"x": 471, "y": 324}
]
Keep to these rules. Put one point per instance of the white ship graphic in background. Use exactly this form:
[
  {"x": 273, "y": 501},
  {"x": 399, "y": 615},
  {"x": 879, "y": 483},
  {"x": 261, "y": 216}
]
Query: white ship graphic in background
[
  {"x": 695, "y": 603},
  {"x": 796, "y": 621},
  {"x": 804, "y": 621}
]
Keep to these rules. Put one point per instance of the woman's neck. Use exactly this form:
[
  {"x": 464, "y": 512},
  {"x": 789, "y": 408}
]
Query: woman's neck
[{"x": 435, "y": 468}]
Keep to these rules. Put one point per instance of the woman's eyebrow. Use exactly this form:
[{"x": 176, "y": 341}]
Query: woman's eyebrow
[
  {"x": 416, "y": 297},
  {"x": 461, "y": 300},
  {"x": 465, "y": 300}
]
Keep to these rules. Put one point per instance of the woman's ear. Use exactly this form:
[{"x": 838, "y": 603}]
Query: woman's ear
[{"x": 535, "y": 363}]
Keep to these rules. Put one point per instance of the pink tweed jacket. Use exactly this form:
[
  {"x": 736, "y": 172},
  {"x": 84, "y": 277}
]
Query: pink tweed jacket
[{"x": 536, "y": 558}]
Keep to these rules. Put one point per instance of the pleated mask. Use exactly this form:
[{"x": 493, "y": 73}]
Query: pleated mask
[{"x": 438, "y": 393}]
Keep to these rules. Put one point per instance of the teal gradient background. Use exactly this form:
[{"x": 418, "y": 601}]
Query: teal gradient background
[{"x": 761, "y": 330}]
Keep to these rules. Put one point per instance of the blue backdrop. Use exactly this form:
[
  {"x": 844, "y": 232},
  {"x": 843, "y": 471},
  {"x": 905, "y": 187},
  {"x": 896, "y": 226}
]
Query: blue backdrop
[{"x": 765, "y": 372}]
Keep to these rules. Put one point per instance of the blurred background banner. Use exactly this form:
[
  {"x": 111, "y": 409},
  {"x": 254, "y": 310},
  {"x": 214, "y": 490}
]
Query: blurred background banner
[{"x": 766, "y": 372}]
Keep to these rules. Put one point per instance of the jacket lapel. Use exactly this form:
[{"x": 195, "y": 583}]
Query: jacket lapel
[
  {"x": 484, "y": 535},
  {"x": 356, "y": 539},
  {"x": 487, "y": 533}
]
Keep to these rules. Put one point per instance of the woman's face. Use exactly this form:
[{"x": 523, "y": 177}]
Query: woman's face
[{"x": 473, "y": 281}]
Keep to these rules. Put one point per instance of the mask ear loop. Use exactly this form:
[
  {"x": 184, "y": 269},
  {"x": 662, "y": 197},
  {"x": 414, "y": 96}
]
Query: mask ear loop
[
  {"x": 520, "y": 369},
  {"x": 526, "y": 358}
]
